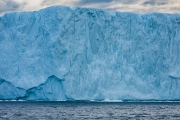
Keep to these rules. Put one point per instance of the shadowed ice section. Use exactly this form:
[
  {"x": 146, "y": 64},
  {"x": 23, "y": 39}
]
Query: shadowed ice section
[
  {"x": 52, "y": 89},
  {"x": 99, "y": 54},
  {"x": 9, "y": 92}
]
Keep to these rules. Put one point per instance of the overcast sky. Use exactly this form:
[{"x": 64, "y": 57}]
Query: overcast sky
[{"x": 140, "y": 6}]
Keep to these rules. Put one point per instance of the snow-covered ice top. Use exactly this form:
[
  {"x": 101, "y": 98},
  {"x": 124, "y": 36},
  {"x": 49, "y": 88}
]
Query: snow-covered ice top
[{"x": 98, "y": 54}]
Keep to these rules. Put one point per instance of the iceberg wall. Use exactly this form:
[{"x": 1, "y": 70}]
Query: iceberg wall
[{"x": 99, "y": 54}]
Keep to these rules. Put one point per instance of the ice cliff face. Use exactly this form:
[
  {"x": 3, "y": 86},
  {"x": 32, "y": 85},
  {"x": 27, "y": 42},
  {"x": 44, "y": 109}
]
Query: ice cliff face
[{"x": 98, "y": 54}]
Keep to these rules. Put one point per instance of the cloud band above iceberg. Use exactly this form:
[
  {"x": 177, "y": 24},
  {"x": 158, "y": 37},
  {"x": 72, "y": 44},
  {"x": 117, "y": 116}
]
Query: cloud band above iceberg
[{"x": 140, "y": 6}]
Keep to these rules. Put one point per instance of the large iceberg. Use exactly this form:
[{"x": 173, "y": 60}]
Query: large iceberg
[{"x": 90, "y": 54}]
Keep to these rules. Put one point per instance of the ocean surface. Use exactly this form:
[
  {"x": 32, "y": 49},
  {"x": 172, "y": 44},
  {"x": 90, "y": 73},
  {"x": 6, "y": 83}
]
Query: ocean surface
[{"x": 28, "y": 110}]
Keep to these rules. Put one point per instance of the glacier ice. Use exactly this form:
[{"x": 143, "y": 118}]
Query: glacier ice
[{"x": 98, "y": 54}]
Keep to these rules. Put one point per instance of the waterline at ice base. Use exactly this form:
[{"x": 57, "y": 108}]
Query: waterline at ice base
[{"x": 63, "y": 53}]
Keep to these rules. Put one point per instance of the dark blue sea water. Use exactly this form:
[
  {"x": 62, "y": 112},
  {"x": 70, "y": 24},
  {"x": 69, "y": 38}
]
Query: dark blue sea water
[{"x": 28, "y": 110}]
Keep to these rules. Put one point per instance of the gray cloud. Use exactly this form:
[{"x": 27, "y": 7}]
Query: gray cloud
[
  {"x": 84, "y": 2},
  {"x": 93, "y": 1},
  {"x": 8, "y": 5},
  {"x": 154, "y": 3},
  {"x": 140, "y": 6}
]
